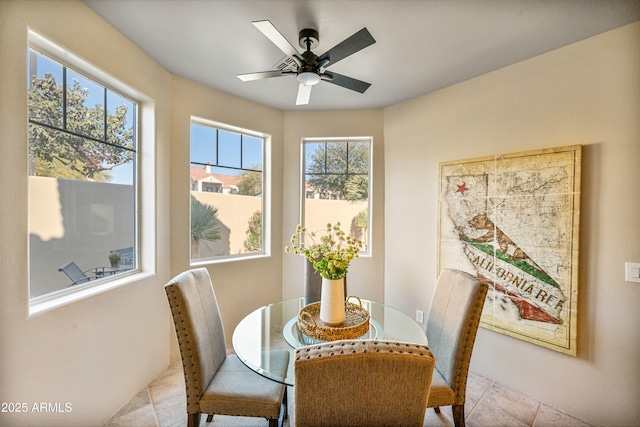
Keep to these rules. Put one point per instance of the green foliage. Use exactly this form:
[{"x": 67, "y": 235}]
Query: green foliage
[
  {"x": 326, "y": 170},
  {"x": 205, "y": 224},
  {"x": 251, "y": 184},
  {"x": 114, "y": 256},
  {"x": 65, "y": 155},
  {"x": 330, "y": 255},
  {"x": 359, "y": 226},
  {"x": 362, "y": 219},
  {"x": 357, "y": 188},
  {"x": 253, "y": 243},
  {"x": 57, "y": 169}
]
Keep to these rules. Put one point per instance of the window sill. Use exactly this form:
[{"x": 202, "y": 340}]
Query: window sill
[
  {"x": 224, "y": 259},
  {"x": 55, "y": 301}
]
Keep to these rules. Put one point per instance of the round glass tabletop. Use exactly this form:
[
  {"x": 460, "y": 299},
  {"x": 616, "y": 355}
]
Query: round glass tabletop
[
  {"x": 295, "y": 338},
  {"x": 274, "y": 328}
]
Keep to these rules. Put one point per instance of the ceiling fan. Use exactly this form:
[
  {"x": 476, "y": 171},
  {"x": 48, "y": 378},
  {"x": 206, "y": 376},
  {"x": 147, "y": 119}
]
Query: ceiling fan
[{"x": 310, "y": 69}]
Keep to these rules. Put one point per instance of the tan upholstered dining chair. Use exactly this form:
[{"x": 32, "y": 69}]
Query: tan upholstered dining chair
[
  {"x": 451, "y": 330},
  {"x": 217, "y": 383},
  {"x": 362, "y": 383}
]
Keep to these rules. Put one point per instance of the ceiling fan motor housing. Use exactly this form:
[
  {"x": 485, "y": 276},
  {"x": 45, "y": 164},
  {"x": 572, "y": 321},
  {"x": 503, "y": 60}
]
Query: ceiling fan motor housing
[
  {"x": 308, "y": 72},
  {"x": 310, "y": 35}
]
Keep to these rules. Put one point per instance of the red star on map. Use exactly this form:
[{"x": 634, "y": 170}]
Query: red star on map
[{"x": 462, "y": 188}]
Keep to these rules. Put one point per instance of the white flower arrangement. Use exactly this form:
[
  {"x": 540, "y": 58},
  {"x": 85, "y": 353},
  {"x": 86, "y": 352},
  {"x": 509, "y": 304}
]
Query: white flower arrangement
[{"x": 332, "y": 255}]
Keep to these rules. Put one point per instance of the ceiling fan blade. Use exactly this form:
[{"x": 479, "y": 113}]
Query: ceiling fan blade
[
  {"x": 349, "y": 46},
  {"x": 272, "y": 33},
  {"x": 304, "y": 93},
  {"x": 261, "y": 75},
  {"x": 346, "y": 82}
]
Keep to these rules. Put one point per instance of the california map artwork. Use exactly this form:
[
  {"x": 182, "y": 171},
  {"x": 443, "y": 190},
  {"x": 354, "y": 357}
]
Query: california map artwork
[{"x": 512, "y": 220}]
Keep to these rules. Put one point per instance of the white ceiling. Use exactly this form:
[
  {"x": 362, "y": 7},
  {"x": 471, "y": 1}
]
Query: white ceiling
[{"x": 421, "y": 45}]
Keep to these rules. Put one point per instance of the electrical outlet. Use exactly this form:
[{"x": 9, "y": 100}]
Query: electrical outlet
[
  {"x": 632, "y": 272},
  {"x": 419, "y": 316}
]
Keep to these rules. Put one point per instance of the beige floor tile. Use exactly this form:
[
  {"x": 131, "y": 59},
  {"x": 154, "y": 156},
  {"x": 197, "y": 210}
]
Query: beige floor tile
[
  {"x": 511, "y": 403},
  {"x": 138, "y": 401},
  {"x": 163, "y": 404},
  {"x": 226, "y": 421},
  {"x": 469, "y": 406},
  {"x": 477, "y": 386},
  {"x": 167, "y": 388},
  {"x": 172, "y": 412},
  {"x": 548, "y": 416},
  {"x": 486, "y": 415},
  {"x": 141, "y": 417},
  {"x": 431, "y": 419}
]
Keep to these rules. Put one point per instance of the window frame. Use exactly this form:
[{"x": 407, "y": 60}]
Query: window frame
[
  {"x": 303, "y": 194},
  {"x": 64, "y": 127},
  {"x": 266, "y": 191},
  {"x": 144, "y": 188}
]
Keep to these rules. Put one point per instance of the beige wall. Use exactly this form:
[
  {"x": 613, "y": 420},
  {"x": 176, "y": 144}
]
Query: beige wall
[
  {"x": 587, "y": 93},
  {"x": 365, "y": 273},
  {"x": 241, "y": 286},
  {"x": 97, "y": 352}
]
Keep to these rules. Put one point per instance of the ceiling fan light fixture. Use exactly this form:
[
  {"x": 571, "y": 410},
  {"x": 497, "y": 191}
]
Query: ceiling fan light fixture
[{"x": 308, "y": 78}]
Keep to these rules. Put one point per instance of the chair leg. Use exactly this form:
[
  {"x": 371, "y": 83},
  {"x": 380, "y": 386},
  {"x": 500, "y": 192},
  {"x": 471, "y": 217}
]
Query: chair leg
[
  {"x": 285, "y": 403},
  {"x": 437, "y": 409},
  {"x": 209, "y": 418},
  {"x": 194, "y": 420},
  {"x": 458, "y": 415},
  {"x": 273, "y": 422}
]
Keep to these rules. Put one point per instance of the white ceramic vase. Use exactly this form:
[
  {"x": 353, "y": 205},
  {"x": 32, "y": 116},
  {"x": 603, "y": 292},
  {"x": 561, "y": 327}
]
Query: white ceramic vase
[{"x": 332, "y": 301}]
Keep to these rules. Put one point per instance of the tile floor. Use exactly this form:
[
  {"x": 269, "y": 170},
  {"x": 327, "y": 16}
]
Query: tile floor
[{"x": 162, "y": 404}]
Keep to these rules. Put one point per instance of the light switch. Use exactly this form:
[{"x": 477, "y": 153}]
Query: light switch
[{"x": 632, "y": 272}]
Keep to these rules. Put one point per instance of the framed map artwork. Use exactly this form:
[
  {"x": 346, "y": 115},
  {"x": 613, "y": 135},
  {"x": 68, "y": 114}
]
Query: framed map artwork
[{"x": 513, "y": 220}]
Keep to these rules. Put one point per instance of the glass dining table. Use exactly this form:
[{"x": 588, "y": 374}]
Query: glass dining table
[{"x": 273, "y": 330}]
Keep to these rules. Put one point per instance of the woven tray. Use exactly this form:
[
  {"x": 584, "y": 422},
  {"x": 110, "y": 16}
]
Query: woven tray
[{"x": 356, "y": 322}]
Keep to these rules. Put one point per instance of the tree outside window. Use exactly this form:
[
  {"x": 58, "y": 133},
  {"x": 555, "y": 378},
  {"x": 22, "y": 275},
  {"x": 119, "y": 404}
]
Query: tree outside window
[
  {"x": 227, "y": 176},
  {"x": 336, "y": 184},
  {"x": 82, "y": 156}
]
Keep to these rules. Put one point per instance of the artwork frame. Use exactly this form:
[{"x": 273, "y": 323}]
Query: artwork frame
[{"x": 513, "y": 220}]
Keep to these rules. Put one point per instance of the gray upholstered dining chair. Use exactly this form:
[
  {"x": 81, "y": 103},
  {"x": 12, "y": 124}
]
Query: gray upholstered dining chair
[
  {"x": 451, "y": 330},
  {"x": 362, "y": 383},
  {"x": 217, "y": 383}
]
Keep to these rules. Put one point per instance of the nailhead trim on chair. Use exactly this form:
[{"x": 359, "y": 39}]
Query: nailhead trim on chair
[
  {"x": 191, "y": 381},
  {"x": 358, "y": 347},
  {"x": 392, "y": 392},
  {"x": 461, "y": 376},
  {"x": 188, "y": 291}
]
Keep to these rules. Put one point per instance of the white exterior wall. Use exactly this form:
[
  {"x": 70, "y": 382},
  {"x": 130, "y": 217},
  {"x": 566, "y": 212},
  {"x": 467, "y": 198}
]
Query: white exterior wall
[
  {"x": 234, "y": 212},
  {"x": 57, "y": 229}
]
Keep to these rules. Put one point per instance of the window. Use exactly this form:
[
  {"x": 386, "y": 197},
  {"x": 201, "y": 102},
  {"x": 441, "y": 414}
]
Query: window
[
  {"x": 337, "y": 185},
  {"x": 82, "y": 142},
  {"x": 227, "y": 188}
]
